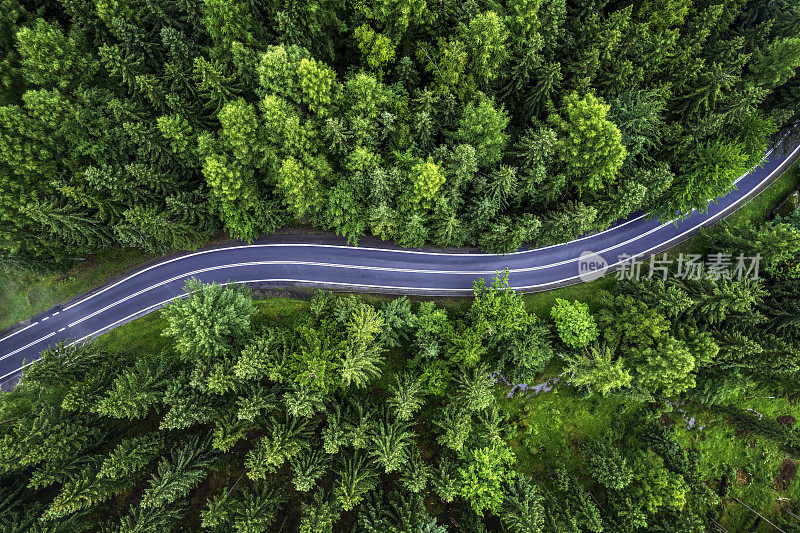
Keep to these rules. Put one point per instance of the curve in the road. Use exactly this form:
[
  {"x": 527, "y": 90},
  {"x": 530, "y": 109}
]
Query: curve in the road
[{"x": 364, "y": 268}]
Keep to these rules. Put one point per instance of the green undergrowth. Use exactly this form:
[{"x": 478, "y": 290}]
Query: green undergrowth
[
  {"x": 24, "y": 293},
  {"x": 140, "y": 336},
  {"x": 547, "y": 427},
  {"x": 757, "y": 469}
]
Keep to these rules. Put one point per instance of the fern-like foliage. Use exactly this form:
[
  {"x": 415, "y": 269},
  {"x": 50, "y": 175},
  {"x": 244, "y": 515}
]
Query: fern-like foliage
[
  {"x": 136, "y": 389},
  {"x": 355, "y": 478},
  {"x": 407, "y": 396},
  {"x": 308, "y": 468},
  {"x": 319, "y": 515},
  {"x": 178, "y": 475},
  {"x": 83, "y": 491},
  {"x": 284, "y": 441},
  {"x": 228, "y": 430},
  {"x": 131, "y": 456},
  {"x": 390, "y": 443},
  {"x": 248, "y": 509},
  {"x": 141, "y": 520}
]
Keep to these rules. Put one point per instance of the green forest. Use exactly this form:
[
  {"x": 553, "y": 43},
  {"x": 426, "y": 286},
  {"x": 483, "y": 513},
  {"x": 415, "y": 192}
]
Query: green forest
[
  {"x": 131, "y": 129},
  {"x": 156, "y": 124},
  {"x": 666, "y": 405}
]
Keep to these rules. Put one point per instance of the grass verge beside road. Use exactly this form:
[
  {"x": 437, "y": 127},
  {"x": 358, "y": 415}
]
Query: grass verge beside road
[{"x": 24, "y": 293}]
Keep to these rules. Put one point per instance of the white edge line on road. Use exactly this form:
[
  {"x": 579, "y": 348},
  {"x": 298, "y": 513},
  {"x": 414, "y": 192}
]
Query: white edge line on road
[
  {"x": 763, "y": 160},
  {"x": 26, "y": 365},
  {"x": 9, "y": 354},
  {"x": 428, "y": 289}
]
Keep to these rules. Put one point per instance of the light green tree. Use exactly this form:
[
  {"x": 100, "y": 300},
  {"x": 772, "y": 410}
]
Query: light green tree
[
  {"x": 595, "y": 369},
  {"x": 426, "y": 180},
  {"x": 407, "y": 396},
  {"x": 483, "y": 126},
  {"x": 376, "y": 47},
  {"x": 590, "y": 144},
  {"x": 576, "y": 326},
  {"x": 483, "y": 476},
  {"x": 355, "y": 478},
  {"x": 210, "y": 322}
]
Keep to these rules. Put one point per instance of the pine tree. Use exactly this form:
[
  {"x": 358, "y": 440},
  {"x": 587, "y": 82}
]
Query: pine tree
[
  {"x": 390, "y": 443},
  {"x": 284, "y": 441},
  {"x": 214, "y": 83},
  {"x": 523, "y": 509},
  {"x": 228, "y": 430},
  {"x": 243, "y": 509},
  {"x": 475, "y": 388},
  {"x": 364, "y": 325},
  {"x": 141, "y": 520},
  {"x": 301, "y": 402},
  {"x": 361, "y": 365},
  {"x": 257, "y": 507},
  {"x": 608, "y": 466},
  {"x": 407, "y": 396},
  {"x": 360, "y": 424},
  {"x": 413, "y": 233},
  {"x": 146, "y": 228},
  {"x": 416, "y": 475},
  {"x": 398, "y": 321},
  {"x": 70, "y": 225},
  {"x": 177, "y": 475},
  {"x": 482, "y": 477},
  {"x": 595, "y": 370},
  {"x": 320, "y": 515},
  {"x": 83, "y": 492},
  {"x": 255, "y": 402},
  {"x": 455, "y": 423},
  {"x": 187, "y": 406},
  {"x": 445, "y": 480},
  {"x": 467, "y": 347},
  {"x": 354, "y": 479},
  {"x": 308, "y": 468},
  {"x": 334, "y": 434},
  {"x": 210, "y": 322},
  {"x": 131, "y": 456},
  {"x": 137, "y": 389}
]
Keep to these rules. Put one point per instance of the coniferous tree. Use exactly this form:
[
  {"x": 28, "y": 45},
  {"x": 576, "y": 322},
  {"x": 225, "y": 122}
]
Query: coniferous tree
[
  {"x": 308, "y": 468},
  {"x": 177, "y": 475},
  {"x": 523, "y": 509},
  {"x": 407, "y": 396},
  {"x": 320, "y": 515},
  {"x": 354, "y": 479},
  {"x": 390, "y": 443}
]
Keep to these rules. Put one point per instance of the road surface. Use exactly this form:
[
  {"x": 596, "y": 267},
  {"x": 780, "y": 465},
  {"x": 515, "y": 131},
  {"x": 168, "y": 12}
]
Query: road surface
[{"x": 363, "y": 268}]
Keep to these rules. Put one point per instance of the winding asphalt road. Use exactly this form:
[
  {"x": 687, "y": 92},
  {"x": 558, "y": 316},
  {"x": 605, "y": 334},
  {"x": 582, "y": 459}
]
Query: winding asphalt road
[{"x": 362, "y": 268}]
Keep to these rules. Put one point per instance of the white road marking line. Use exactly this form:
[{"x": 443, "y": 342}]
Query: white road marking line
[
  {"x": 428, "y": 289},
  {"x": 26, "y": 365},
  {"x": 19, "y": 331},
  {"x": 27, "y": 346}
]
